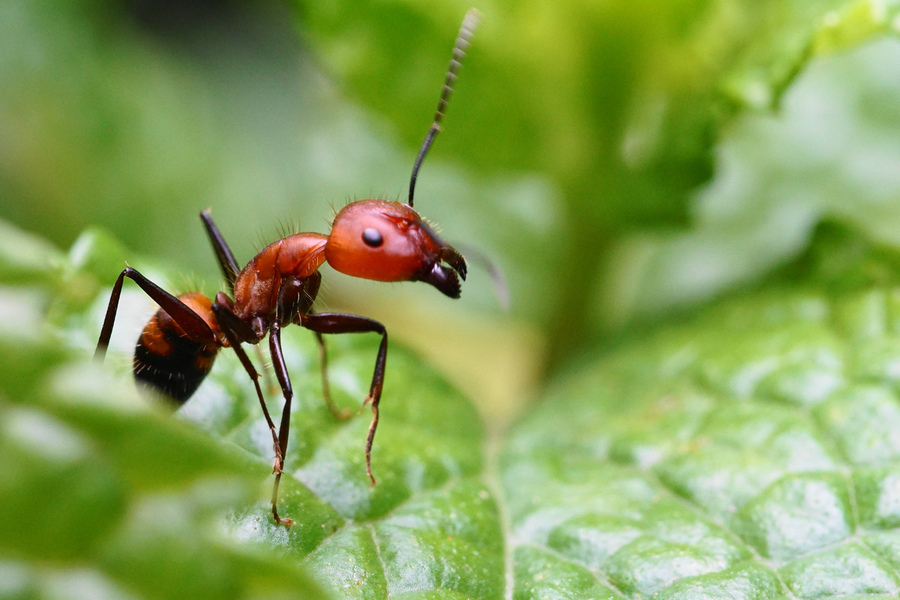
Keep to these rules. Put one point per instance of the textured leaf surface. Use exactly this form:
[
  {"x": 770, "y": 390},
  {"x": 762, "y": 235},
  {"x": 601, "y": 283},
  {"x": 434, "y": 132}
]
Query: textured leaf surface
[
  {"x": 93, "y": 477},
  {"x": 750, "y": 452}
]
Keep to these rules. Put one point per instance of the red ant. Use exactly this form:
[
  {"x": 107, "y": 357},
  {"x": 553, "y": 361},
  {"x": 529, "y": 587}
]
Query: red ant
[{"x": 372, "y": 239}]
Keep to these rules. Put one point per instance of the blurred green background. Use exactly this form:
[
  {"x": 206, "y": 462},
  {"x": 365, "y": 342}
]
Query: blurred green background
[
  {"x": 620, "y": 161},
  {"x": 623, "y": 163}
]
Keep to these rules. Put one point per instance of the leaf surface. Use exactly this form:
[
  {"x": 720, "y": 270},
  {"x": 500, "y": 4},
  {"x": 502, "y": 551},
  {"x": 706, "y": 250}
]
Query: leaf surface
[{"x": 751, "y": 448}]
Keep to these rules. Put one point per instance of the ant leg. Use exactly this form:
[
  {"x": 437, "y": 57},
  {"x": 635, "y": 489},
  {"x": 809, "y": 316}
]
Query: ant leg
[
  {"x": 294, "y": 296},
  {"x": 284, "y": 379},
  {"x": 337, "y": 413},
  {"x": 192, "y": 323},
  {"x": 269, "y": 384},
  {"x": 235, "y": 330},
  {"x": 254, "y": 375},
  {"x": 226, "y": 258},
  {"x": 226, "y": 318},
  {"x": 341, "y": 323},
  {"x": 224, "y": 311}
]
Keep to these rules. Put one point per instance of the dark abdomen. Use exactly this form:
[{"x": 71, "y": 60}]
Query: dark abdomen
[{"x": 169, "y": 362}]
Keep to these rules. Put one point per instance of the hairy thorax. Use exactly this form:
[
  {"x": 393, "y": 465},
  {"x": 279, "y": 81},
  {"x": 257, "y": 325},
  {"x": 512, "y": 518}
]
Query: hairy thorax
[{"x": 256, "y": 287}]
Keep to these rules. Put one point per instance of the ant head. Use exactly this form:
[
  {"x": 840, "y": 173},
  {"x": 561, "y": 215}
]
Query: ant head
[{"x": 389, "y": 241}]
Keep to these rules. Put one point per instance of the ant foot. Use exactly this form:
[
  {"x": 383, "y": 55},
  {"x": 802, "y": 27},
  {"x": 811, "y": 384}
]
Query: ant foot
[
  {"x": 369, "y": 400},
  {"x": 342, "y": 414}
]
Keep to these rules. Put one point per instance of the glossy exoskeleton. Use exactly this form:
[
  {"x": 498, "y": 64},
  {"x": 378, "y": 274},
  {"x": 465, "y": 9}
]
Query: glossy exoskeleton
[{"x": 371, "y": 239}]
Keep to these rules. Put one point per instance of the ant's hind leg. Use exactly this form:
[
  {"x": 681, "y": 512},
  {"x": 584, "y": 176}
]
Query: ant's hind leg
[
  {"x": 224, "y": 255},
  {"x": 192, "y": 323}
]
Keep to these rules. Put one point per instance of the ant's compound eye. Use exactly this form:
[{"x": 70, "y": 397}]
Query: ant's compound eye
[{"x": 371, "y": 237}]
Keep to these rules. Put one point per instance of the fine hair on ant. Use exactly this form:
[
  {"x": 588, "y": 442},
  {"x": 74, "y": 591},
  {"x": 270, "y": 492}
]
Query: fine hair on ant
[{"x": 372, "y": 239}]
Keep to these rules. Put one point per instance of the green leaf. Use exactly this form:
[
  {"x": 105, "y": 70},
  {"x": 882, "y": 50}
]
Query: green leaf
[
  {"x": 824, "y": 156},
  {"x": 573, "y": 124},
  {"x": 750, "y": 450},
  {"x": 589, "y": 92}
]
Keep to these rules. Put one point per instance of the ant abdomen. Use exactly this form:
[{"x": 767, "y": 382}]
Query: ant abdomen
[
  {"x": 372, "y": 239},
  {"x": 167, "y": 360}
]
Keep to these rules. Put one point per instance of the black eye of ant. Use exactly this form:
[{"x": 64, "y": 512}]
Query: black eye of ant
[{"x": 372, "y": 238}]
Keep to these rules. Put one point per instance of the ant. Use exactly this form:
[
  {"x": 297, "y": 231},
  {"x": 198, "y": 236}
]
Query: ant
[{"x": 371, "y": 239}]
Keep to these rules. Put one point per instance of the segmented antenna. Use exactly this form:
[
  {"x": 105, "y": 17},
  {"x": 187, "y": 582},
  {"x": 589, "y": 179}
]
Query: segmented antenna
[{"x": 463, "y": 38}]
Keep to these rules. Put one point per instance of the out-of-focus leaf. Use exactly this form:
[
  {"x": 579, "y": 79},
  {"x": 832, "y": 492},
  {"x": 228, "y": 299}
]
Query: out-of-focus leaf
[
  {"x": 830, "y": 153},
  {"x": 566, "y": 88},
  {"x": 101, "y": 495},
  {"x": 621, "y": 104},
  {"x": 572, "y": 122},
  {"x": 118, "y": 501}
]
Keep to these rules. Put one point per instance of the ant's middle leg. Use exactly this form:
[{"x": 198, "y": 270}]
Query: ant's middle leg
[
  {"x": 231, "y": 326},
  {"x": 237, "y": 331},
  {"x": 284, "y": 380}
]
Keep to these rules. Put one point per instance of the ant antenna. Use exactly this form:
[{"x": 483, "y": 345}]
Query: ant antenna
[
  {"x": 476, "y": 256},
  {"x": 466, "y": 30}
]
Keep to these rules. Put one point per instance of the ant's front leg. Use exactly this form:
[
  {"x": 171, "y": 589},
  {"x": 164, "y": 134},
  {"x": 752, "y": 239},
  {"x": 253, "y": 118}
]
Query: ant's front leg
[
  {"x": 341, "y": 323},
  {"x": 337, "y": 413}
]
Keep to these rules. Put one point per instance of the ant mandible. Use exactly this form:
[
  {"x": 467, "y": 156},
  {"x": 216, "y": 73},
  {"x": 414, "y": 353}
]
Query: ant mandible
[{"x": 371, "y": 239}]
